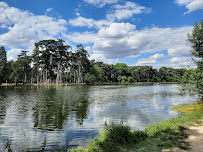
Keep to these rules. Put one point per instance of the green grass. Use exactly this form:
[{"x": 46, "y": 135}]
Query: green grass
[
  {"x": 155, "y": 137},
  {"x": 169, "y": 133}
]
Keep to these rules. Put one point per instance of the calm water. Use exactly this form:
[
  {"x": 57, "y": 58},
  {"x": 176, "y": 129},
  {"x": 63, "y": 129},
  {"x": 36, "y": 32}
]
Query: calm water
[{"x": 63, "y": 117}]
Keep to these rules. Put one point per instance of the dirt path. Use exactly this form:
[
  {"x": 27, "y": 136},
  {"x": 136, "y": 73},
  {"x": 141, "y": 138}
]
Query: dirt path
[{"x": 195, "y": 140}]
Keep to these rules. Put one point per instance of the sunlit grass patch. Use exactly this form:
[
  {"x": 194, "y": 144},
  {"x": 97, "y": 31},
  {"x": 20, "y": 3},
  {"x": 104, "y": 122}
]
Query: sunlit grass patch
[{"x": 188, "y": 108}]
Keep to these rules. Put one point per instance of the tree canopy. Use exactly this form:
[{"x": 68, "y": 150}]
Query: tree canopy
[
  {"x": 53, "y": 62},
  {"x": 193, "y": 79}
]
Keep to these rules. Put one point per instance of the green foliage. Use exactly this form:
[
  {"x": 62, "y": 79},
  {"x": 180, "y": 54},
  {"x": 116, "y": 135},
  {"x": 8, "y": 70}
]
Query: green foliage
[
  {"x": 3, "y": 58},
  {"x": 121, "y": 68},
  {"x": 123, "y": 79},
  {"x": 16, "y": 74},
  {"x": 99, "y": 73},
  {"x": 130, "y": 79},
  {"x": 90, "y": 78},
  {"x": 196, "y": 39},
  {"x": 3, "y": 61},
  {"x": 193, "y": 79},
  {"x": 119, "y": 78},
  {"x": 166, "y": 74},
  {"x": 118, "y": 134},
  {"x": 24, "y": 65}
]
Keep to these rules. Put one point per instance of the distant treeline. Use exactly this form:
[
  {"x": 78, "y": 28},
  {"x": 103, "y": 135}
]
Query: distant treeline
[{"x": 53, "y": 62}]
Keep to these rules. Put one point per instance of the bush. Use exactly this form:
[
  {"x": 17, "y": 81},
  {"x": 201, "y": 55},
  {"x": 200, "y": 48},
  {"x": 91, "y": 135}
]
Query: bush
[{"x": 121, "y": 134}]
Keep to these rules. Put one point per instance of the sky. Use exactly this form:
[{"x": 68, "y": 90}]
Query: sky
[{"x": 135, "y": 32}]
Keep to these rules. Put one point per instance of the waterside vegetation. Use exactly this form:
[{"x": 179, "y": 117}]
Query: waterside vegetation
[{"x": 155, "y": 137}]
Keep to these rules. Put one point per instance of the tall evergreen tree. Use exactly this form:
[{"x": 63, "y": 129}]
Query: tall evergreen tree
[
  {"x": 82, "y": 62},
  {"x": 24, "y": 61},
  {"x": 3, "y": 61}
]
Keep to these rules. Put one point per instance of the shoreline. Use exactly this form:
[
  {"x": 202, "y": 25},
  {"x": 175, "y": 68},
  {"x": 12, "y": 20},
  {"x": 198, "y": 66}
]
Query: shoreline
[
  {"x": 82, "y": 84},
  {"x": 165, "y": 136}
]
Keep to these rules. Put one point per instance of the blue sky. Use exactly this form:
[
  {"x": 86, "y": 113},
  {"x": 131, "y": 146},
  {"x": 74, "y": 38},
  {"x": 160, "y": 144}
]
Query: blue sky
[{"x": 136, "y": 32}]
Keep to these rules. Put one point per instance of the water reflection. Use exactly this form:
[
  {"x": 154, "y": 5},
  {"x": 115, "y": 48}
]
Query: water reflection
[
  {"x": 59, "y": 105},
  {"x": 54, "y": 118}
]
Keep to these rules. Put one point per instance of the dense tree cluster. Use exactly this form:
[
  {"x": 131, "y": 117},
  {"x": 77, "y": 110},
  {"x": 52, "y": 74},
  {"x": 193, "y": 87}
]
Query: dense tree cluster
[{"x": 53, "y": 62}]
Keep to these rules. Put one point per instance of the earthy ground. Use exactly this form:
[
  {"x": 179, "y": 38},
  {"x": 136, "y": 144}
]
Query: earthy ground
[{"x": 195, "y": 140}]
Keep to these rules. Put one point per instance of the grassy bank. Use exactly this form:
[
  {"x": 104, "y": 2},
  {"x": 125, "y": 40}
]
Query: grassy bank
[{"x": 155, "y": 137}]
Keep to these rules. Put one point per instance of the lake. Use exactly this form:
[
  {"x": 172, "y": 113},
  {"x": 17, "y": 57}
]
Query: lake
[{"x": 55, "y": 118}]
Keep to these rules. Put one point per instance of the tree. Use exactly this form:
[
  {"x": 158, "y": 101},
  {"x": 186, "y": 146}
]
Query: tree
[
  {"x": 121, "y": 68},
  {"x": 196, "y": 39},
  {"x": 16, "y": 74},
  {"x": 3, "y": 60},
  {"x": 8, "y": 70},
  {"x": 82, "y": 62},
  {"x": 50, "y": 59},
  {"x": 24, "y": 62}
]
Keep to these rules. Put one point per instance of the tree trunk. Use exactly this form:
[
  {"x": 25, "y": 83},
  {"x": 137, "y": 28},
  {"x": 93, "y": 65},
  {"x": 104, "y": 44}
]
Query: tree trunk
[{"x": 37, "y": 76}]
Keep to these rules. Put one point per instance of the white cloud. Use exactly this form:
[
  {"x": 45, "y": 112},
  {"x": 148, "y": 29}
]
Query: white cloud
[
  {"x": 183, "y": 2},
  {"x": 100, "y": 3},
  {"x": 174, "y": 62},
  {"x": 25, "y": 28},
  {"x": 191, "y": 5},
  {"x": 101, "y": 58},
  {"x": 88, "y": 22},
  {"x": 125, "y": 29},
  {"x": 157, "y": 56},
  {"x": 125, "y": 11},
  {"x": 121, "y": 40},
  {"x": 119, "y": 12},
  {"x": 12, "y": 54},
  {"x": 49, "y": 9},
  {"x": 179, "y": 59},
  {"x": 86, "y": 37},
  {"x": 152, "y": 60},
  {"x": 179, "y": 51},
  {"x": 146, "y": 61},
  {"x": 77, "y": 14},
  {"x": 180, "y": 62}
]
